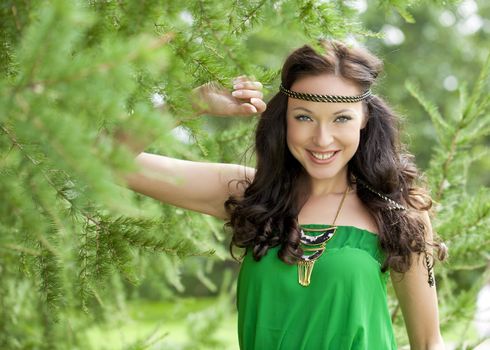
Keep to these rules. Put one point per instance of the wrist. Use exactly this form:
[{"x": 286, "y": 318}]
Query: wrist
[{"x": 198, "y": 102}]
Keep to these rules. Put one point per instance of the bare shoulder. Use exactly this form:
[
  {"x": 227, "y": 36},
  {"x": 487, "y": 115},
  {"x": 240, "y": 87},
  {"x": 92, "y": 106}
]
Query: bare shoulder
[
  {"x": 361, "y": 217},
  {"x": 424, "y": 216}
]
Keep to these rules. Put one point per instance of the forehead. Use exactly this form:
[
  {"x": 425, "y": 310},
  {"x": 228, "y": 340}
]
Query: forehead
[{"x": 325, "y": 84}]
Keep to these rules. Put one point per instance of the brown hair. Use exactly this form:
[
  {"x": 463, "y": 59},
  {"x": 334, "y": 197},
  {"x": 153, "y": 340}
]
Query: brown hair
[{"x": 267, "y": 214}]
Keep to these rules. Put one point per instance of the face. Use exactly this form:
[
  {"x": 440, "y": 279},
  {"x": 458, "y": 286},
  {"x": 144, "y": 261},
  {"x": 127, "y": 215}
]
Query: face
[{"x": 324, "y": 136}]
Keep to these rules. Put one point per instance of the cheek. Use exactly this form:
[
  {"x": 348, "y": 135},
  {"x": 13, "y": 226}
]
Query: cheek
[
  {"x": 294, "y": 134},
  {"x": 354, "y": 136},
  {"x": 350, "y": 138}
]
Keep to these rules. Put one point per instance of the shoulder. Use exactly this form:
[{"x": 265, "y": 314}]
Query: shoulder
[
  {"x": 359, "y": 215},
  {"x": 424, "y": 217}
]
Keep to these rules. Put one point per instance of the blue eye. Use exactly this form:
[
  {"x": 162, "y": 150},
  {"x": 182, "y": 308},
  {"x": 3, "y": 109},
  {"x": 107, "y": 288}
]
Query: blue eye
[
  {"x": 343, "y": 118},
  {"x": 302, "y": 117}
]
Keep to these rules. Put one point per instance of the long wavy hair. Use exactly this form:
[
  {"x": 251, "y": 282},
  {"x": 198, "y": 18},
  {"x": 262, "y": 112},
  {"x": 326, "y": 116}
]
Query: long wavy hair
[{"x": 266, "y": 215}]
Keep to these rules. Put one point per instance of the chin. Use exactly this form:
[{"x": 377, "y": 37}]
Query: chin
[{"x": 323, "y": 175}]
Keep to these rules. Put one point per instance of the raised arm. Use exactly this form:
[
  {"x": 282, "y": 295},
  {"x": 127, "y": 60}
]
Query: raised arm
[
  {"x": 418, "y": 301},
  {"x": 200, "y": 186}
]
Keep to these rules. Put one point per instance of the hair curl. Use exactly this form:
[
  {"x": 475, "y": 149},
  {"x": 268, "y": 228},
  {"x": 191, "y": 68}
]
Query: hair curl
[{"x": 267, "y": 214}]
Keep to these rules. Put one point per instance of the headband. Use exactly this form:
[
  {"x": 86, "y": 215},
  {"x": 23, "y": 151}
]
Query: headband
[{"x": 324, "y": 98}]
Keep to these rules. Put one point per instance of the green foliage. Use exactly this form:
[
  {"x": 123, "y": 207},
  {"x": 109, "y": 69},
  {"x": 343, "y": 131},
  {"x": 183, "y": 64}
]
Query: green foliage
[
  {"x": 203, "y": 325},
  {"x": 75, "y": 244},
  {"x": 462, "y": 218}
]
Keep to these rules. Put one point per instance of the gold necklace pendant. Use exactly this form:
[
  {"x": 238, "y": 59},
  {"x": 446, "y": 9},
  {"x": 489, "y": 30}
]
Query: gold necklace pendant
[
  {"x": 305, "y": 268},
  {"x": 304, "y": 272},
  {"x": 307, "y": 262}
]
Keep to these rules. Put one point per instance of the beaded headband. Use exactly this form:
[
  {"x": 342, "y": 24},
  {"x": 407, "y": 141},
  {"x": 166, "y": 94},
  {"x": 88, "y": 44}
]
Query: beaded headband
[{"x": 324, "y": 98}]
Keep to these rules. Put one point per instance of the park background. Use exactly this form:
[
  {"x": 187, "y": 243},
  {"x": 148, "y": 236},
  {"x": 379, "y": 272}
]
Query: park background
[{"x": 87, "y": 264}]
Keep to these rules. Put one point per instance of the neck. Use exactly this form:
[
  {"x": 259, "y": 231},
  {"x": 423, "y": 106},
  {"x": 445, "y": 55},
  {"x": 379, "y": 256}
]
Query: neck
[{"x": 326, "y": 187}]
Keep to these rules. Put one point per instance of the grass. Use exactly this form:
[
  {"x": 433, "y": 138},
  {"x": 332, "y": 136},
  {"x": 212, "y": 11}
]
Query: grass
[{"x": 169, "y": 325}]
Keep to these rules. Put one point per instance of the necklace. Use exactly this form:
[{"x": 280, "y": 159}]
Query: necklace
[{"x": 315, "y": 244}]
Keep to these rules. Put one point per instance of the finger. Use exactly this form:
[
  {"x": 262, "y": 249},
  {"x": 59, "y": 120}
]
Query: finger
[
  {"x": 259, "y": 105},
  {"x": 243, "y": 78},
  {"x": 239, "y": 79},
  {"x": 247, "y": 109},
  {"x": 250, "y": 85},
  {"x": 246, "y": 94}
]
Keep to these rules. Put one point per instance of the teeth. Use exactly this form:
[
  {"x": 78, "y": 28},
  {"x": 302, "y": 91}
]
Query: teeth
[{"x": 322, "y": 156}]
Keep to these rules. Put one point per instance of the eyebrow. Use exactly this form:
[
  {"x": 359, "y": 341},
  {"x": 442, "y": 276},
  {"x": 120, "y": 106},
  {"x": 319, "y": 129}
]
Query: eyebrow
[{"x": 307, "y": 110}]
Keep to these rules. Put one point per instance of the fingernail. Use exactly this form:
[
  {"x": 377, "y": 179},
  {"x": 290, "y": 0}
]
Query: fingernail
[
  {"x": 237, "y": 93},
  {"x": 238, "y": 86}
]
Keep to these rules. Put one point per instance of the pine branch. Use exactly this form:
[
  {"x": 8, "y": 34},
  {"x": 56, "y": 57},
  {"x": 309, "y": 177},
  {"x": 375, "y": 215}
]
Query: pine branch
[
  {"x": 469, "y": 114},
  {"x": 246, "y": 19},
  {"x": 21, "y": 249},
  {"x": 50, "y": 286},
  {"x": 83, "y": 283},
  {"x": 401, "y": 7},
  {"x": 441, "y": 126},
  {"x": 450, "y": 138}
]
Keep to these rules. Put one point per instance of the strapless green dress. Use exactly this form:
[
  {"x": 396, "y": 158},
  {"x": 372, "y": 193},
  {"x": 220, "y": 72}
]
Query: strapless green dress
[{"x": 344, "y": 307}]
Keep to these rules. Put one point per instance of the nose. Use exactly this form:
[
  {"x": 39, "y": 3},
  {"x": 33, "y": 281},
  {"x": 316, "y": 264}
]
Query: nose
[{"x": 323, "y": 136}]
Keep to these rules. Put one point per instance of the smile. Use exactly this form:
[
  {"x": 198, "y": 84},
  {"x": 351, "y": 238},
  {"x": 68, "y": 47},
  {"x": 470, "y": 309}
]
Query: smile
[{"x": 323, "y": 156}]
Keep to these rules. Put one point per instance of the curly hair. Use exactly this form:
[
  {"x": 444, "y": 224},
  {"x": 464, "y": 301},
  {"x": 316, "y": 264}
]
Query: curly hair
[{"x": 266, "y": 215}]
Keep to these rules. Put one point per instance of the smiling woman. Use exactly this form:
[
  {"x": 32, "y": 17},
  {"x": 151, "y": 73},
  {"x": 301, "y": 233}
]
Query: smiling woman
[{"x": 332, "y": 189}]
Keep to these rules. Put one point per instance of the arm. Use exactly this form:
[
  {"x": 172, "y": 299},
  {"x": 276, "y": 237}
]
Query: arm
[
  {"x": 198, "y": 186},
  {"x": 418, "y": 301}
]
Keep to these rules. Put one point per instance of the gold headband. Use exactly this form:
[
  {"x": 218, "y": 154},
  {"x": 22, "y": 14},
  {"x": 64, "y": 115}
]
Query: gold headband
[{"x": 324, "y": 98}]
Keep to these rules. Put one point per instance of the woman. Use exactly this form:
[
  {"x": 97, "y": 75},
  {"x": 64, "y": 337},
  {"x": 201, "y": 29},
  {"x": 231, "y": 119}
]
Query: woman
[{"x": 330, "y": 211}]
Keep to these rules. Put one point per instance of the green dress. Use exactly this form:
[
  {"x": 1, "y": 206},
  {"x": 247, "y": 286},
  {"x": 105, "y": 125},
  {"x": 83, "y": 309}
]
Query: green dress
[{"x": 344, "y": 307}]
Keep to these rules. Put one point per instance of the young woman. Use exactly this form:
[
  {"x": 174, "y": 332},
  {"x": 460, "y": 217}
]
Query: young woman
[{"x": 330, "y": 211}]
